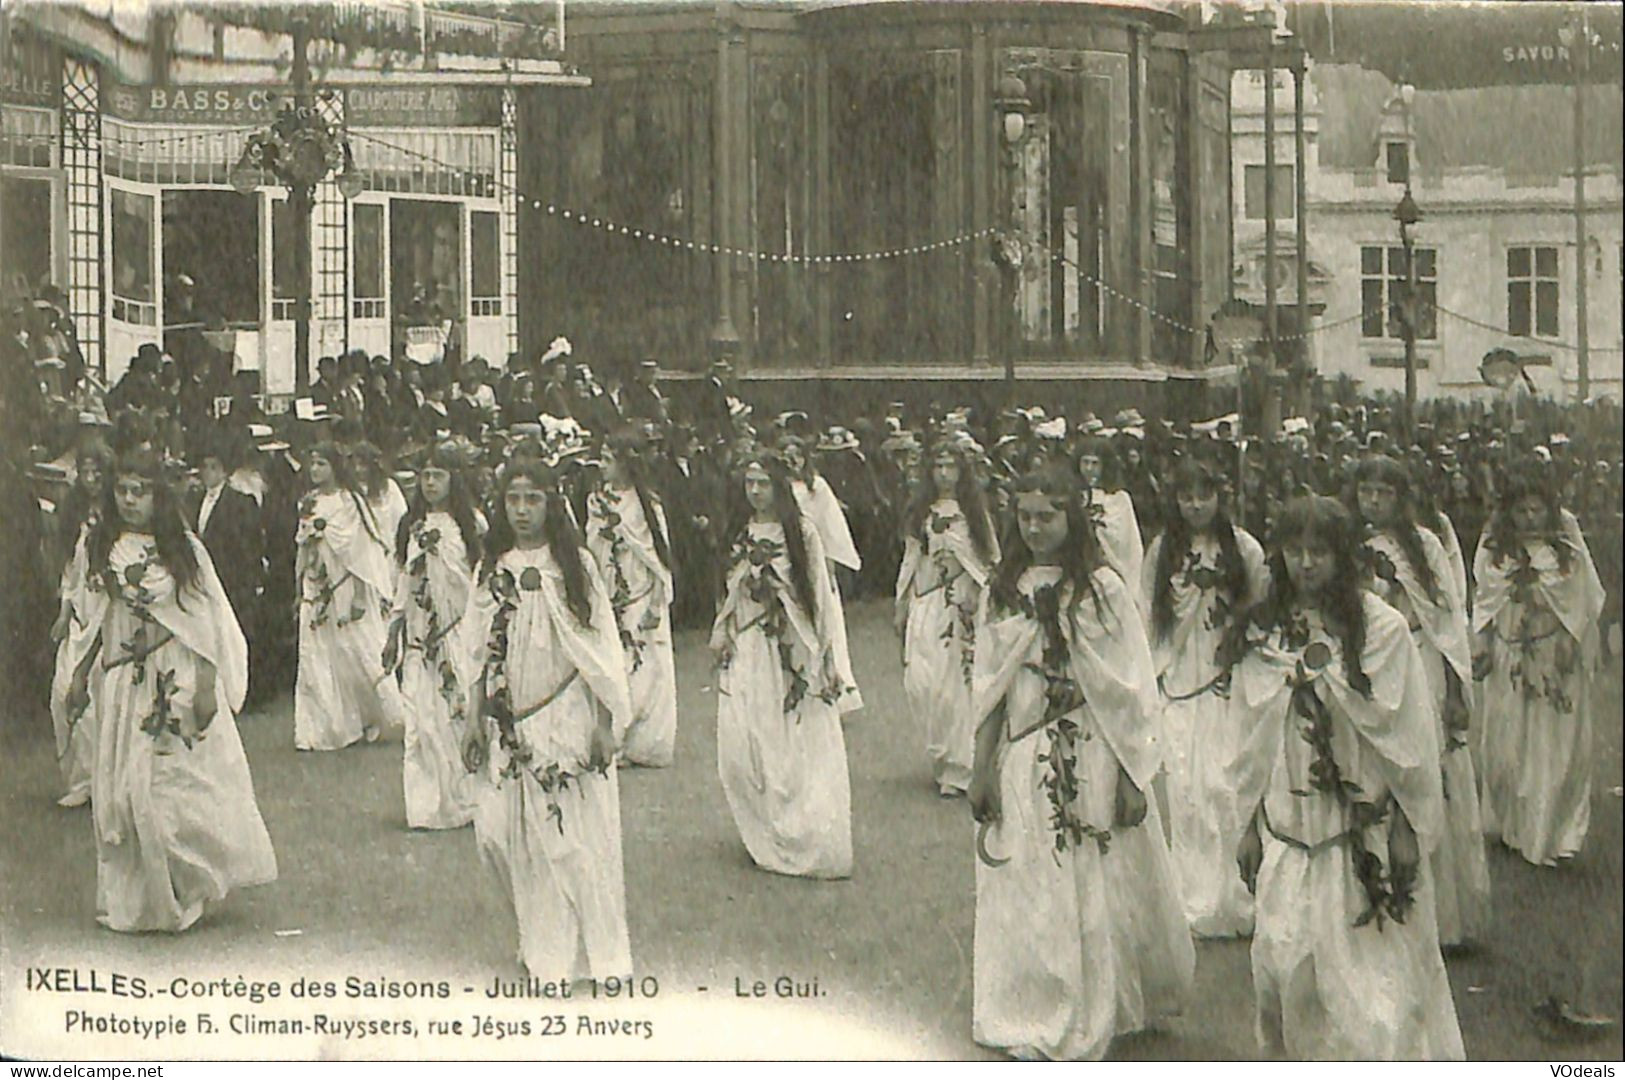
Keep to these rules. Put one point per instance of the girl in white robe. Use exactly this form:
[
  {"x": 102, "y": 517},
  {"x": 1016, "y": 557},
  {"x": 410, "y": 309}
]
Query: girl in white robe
[
  {"x": 548, "y": 703},
  {"x": 626, "y": 533},
  {"x": 1345, "y": 956},
  {"x": 73, "y": 633},
  {"x": 342, "y": 692},
  {"x": 1201, "y": 576},
  {"x": 1080, "y": 934},
  {"x": 1112, "y": 508},
  {"x": 1537, "y": 599},
  {"x": 781, "y": 755},
  {"x": 175, "y": 817},
  {"x": 823, "y": 510},
  {"x": 947, "y": 552},
  {"x": 438, "y": 545},
  {"x": 1412, "y": 572}
]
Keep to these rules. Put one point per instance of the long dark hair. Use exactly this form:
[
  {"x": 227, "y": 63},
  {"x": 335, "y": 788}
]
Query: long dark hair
[
  {"x": 1512, "y": 487},
  {"x": 788, "y": 512},
  {"x": 630, "y": 449},
  {"x": 344, "y": 475},
  {"x": 1080, "y": 555},
  {"x": 1111, "y": 465},
  {"x": 1327, "y": 522},
  {"x": 459, "y": 504},
  {"x": 371, "y": 471},
  {"x": 969, "y": 493},
  {"x": 1191, "y": 474},
  {"x": 169, "y": 529},
  {"x": 1405, "y": 527},
  {"x": 559, "y": 530}
]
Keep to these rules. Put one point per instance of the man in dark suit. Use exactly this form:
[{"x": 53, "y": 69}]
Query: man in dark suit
[
  {"x": 711, "y": 415},
  {"x": 228, "y": 523},
  {"x": 695, "y": 494},
  {"x": 643, "y": 400}
]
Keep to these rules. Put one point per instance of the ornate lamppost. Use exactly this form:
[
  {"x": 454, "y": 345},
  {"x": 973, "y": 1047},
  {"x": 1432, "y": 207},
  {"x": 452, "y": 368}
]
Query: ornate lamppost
[
  {"x": 299, "y": 150},
  {"x": 1012, "y": 105},
  {"x": 1408, "y": 214}
]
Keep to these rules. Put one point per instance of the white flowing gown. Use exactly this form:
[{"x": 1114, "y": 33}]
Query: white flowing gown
[
  {"x": 548, "y": 826},
  {"x": 1198, "y": 732},
  {"x": 820, "y": 507},
  {"x": 1325, "y": 988},
  {"x": 1438, "y": 622},
  {"x": 1077, "y": 944},
  {"x": 342, "y": 692},
  {"x": 75, "y": 735},
  {"x": 175, "y": 817},
  {"x": 781, "y": 755},
  {"x": 640, "y": 589},
  {"x": 431, "y": 595},
  {"x": 1535, "y": 732},
  {"x": 940, "y": 581}
]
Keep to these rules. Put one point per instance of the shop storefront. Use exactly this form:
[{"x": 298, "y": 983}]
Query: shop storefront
[
  {"x": 32, "y": 207},
  {"x": 419, "y": 261}
]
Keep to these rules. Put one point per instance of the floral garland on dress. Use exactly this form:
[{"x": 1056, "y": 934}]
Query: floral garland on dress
[
  {"x": 1386, "y": 895},
  {"x": 1535, "y": 621},
  {"x": 553, "y": 778},
  {"x": 311, "y": 530},
  {"x": 763, "y": 585},
  {"x": 129, "y": 587},
  {"x": 1063, "y": 697},
  {"x": 961, "y": 627},
  {"x": 620, "y": 597},
  {"x": 435, "y": 658}
]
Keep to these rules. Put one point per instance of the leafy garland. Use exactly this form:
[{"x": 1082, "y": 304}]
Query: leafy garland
[
  {"x": 1209, "y": 579},
  {"x": 961, "y": 628},
  {"x": 765, "y": 586},
  {"x": 129, "y": 587},
  {"x": 1386, "y": 894},
  {"x": 621, "y": 595},
  {"x": 553, "y": 778},
  {"x": 1551, "y": 684},
  {"x": 311, "y": 531},
  {"x": 1063, "y": 697},
  {"x": 434, "y": 654}
]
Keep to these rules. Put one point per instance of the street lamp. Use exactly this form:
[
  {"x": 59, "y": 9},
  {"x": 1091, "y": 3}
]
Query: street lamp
[
  {"x": 298, "y": 150},
  {"x": 1408, "y": 214},
  {"x": 1012, "y": 105}
]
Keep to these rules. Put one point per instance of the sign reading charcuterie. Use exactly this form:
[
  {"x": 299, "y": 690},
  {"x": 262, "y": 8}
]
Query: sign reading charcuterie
[{"x": 423, "y": 106}]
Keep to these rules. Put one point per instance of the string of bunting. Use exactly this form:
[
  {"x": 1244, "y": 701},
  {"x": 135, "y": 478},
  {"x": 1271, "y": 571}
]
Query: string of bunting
[
  {"x": 1543, "y": 342},
  {"x": 135, "y": 136},
  {"x": 594, "y": 221}
]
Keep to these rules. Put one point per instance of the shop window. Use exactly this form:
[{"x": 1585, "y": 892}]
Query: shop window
[
  {"x": 27, "y": 137},
  {"x": 1069, "y": 201},
  {"x": 284, "y": 287},
  {"x": 25, "y": 227},
  {"x": 485, "y": 263},
  {"x": 891, "y": 115},
  {"x": 1383, "y": 275},
  {"x": 367, "y": 279},
  {"x": 1171, "y": 270},
  {"x": 780, "y": 110},
  {"x": 1532, "y": 293},
  {"x": 135, "y": 300},
  {"x": 213, "y": 238},
  {"x": 427, "y": 162},
  {"x": 635, "y": 149},
  {"x": 1286, "y": 194}
]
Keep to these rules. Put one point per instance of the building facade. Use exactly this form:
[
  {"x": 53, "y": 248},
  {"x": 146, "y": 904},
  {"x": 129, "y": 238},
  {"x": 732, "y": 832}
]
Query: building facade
[
  {"x": 122, "y": 131},
  {"x": 836, "y": 191},
  {"x": 1491, "y": 169}
]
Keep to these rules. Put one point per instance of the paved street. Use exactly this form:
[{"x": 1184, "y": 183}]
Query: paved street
[{"x": 361, "y": 895}]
